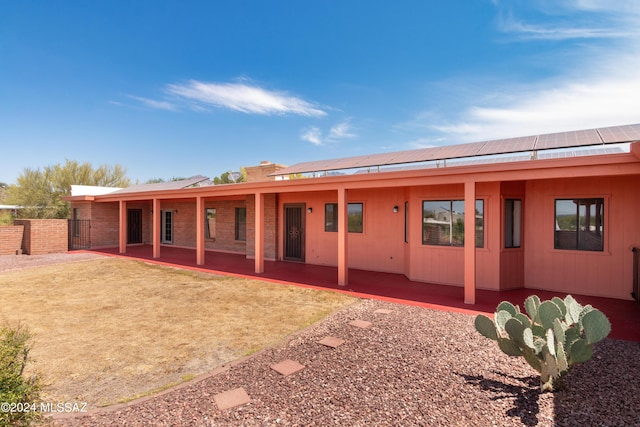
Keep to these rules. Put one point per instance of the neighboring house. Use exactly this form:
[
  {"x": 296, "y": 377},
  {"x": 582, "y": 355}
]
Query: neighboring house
[
  {"x": 545, "y": 213},
  {"x": 13, "y": 209}
]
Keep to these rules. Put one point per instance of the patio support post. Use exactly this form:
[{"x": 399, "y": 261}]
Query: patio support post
[
  {"x": 155, "y": 212},
  {"x": 343, "y": 234},
  {"x": 199, "y": 231},
  {"x": 470, "y": 242},
  {"x": 122, "y": 226},
  {"x": 259, "y": 232}
]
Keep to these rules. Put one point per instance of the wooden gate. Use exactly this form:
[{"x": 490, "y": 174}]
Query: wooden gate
[{"x": 294, "y": 232}]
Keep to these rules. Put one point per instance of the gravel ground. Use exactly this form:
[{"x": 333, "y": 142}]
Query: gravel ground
[
  {"x": 20, "y": 262},
  {"x": 412, "y": 366}
]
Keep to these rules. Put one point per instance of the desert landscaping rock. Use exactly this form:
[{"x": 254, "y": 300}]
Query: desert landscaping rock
[{"x": 415, "y": 367}]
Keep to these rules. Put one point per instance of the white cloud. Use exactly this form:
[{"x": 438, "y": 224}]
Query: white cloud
[
  {"x": 575, "y": 19},
  {"x": 336, "y": 133},
  {"x": 599, "y": 86},
  {"x": 341, "y": 131},
  {"x": 312, "y": 135},
  {"x": 242, "y": 97},
  {"x": 548, "y": 32},
  {"x": 159, "y": 105},
  {"x": 596, "y": 101}
]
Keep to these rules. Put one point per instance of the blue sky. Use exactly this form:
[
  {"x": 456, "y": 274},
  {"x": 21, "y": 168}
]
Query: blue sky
[{"x": 179, "y": 88}]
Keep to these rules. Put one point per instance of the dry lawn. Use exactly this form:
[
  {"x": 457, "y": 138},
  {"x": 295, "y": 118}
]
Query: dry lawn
[{"x": 110, "y": 330}]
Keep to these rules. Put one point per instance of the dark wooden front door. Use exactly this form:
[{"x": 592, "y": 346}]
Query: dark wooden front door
[
  {"x": 134, "y": 225},
  {"x": 294, "y": 232}
]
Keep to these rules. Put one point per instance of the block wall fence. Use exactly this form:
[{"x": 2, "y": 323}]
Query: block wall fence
[
  {"x": 11, "y": 239},
  {"x": 43, "y": 236}
]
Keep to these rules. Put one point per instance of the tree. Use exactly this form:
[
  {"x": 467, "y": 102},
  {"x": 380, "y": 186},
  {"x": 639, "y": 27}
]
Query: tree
[
  {"x": 3, "y": 191},
  {"x": 161, "y": 180},
  {"x": 231, "y": 177},
  {"x": 39, "y": 192}
]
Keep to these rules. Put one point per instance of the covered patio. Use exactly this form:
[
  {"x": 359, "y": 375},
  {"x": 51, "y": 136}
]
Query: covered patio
[{"x": 623, "y": 314}]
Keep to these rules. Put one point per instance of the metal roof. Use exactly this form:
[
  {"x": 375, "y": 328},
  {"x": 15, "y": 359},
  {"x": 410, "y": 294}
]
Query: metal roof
[
  {"x": 194, "y": 181},
  {"x": 580, "y": 138}
]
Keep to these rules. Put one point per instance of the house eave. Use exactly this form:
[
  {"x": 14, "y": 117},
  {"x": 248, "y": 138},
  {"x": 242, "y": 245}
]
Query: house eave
[{"x": 597, "y": 165}]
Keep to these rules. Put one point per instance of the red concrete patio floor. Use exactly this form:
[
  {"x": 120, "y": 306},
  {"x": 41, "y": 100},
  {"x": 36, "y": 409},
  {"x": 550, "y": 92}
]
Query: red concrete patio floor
[{"x": 623, "y": 314}]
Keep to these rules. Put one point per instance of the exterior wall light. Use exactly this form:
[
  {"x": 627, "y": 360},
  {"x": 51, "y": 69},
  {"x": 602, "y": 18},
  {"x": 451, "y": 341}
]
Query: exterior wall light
[
  {"x": 309, "y": 210},
  {"x": 395, "y": 209}
]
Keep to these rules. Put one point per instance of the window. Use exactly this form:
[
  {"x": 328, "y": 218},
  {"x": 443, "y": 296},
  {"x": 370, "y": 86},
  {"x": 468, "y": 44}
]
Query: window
[
  {"x": 443, "y": 223},
  {"x": 241, "y": 224},
  {"x": 512, "y": 223},
  {"x": 355, "y": 217},
  {"x": 579, "y": 224},
  {"x": 210, "y": 223}
]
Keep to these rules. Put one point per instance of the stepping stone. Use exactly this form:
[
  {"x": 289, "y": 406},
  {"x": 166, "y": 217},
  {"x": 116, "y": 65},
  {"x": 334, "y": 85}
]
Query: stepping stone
[
  {"x": 383, "y": 311},
  {"x": 231, "y": 399},
  {"x": 287, "y": 367},
  {"x": 360, "y": 324},
  {"x": 332, "y": 342}
]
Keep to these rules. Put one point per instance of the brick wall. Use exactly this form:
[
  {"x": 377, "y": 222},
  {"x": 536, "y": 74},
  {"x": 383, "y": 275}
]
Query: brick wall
[
  {"x": 44, "y": 236},
  {"x": 184, "y": 222},
  {"x": 11, "y": 239},
  {"x": 225, "y": 231},
  {"x": 104, "y": 223}
]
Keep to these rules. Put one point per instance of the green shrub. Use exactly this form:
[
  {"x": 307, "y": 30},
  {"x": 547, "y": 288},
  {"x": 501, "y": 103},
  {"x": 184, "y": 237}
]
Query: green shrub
[
  {"x": 18, "y": 392},
  {"x": 6, "y": 218},
  {"x": 555, "y": 335}
]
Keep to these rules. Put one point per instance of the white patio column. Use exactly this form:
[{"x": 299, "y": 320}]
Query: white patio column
[
  {"x": 199, "y": 231},
  {"x": 259, "y": 232},
  {"x": 470, "y": 242},
  {"x": 343, "y": 237},
  {"x": 122, "y": 226}
]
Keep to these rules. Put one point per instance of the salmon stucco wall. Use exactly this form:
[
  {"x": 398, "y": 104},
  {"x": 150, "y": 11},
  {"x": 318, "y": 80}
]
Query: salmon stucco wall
[
  {"x": 445, "y": 264},
  {"x": 512, "y": 258},
  {"x": 607, "y": 273},
  {"x": 380, "y": 247}
]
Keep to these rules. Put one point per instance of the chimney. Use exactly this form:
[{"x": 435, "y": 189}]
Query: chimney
[{"x": 262, "y": 171}]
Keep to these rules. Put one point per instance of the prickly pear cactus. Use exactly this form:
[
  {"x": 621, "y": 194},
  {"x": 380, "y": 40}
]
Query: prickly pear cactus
[{"x": 552, "y": 336}]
